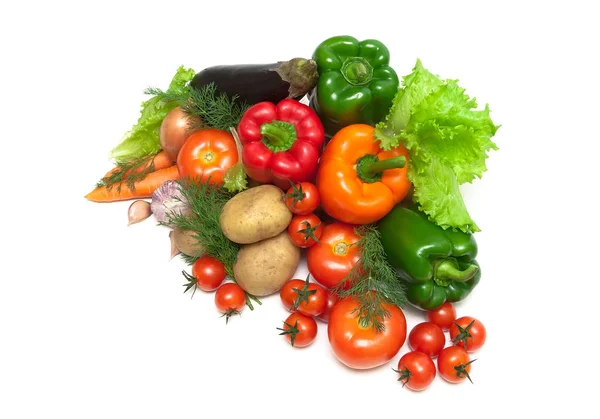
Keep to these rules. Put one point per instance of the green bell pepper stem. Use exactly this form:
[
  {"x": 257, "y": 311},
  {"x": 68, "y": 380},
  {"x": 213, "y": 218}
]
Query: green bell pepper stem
[
  {"x": 447, "y": 270},
  {"x": 278, "y": 135},
  {"x": 370, "y": 168},
  {"x": 357, "y": 71}
]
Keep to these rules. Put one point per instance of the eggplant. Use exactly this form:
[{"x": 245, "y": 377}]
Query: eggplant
[{"x": 254, "y": 83}]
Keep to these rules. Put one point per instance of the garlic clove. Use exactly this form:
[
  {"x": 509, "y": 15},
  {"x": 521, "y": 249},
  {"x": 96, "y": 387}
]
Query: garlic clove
[
  {"x": 138, "y": 211},
  {"x": 174, "y": 250}
]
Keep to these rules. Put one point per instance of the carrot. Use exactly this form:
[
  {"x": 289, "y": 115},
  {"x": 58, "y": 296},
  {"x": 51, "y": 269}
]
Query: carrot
[
  {"x": 161, "y": 161},
  {"x": 143, "y": 188}
]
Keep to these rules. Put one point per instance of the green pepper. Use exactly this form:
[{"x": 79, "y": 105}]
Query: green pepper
[
  {"x": 436, "y": 265},
  {"x": 356, "y": 84}
]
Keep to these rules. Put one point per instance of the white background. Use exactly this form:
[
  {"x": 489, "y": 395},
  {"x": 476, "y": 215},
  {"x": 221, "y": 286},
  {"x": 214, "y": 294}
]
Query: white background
[{"x": 93, "y": 321}]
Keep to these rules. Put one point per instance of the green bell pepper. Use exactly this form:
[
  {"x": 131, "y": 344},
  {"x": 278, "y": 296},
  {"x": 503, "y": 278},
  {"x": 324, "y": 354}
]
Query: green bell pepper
[
  {"x": 356, "y": 84},
  {"x": 436, "y": 265}
]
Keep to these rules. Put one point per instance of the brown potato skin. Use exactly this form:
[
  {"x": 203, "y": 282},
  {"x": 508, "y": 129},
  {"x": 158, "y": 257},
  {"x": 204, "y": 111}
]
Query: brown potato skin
[
  {"x": 187, "y": 242},
  {"x": 262, "y": 268},
  {"x": 255, "y": 214}
]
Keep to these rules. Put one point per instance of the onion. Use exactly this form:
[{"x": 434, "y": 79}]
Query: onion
[
  {"x": 168, "y": 199},
  {"x": 174, "y": 130}
]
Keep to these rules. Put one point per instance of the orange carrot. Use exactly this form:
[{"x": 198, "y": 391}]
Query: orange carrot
[
  {"x": 143, "y": 188},
  {"x": 161, "y": 161}
]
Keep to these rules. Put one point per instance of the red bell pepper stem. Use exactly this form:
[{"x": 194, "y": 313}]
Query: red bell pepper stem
[{"x": 278, "y": 135}]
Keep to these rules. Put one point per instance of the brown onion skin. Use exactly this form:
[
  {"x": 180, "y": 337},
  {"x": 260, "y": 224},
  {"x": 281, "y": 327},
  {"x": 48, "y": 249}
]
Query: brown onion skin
[{"x": 174, "y": 130}]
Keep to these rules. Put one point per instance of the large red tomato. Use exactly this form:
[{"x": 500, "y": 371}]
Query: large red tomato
[
  {"x": 208, "y": 153},
  {"x": 363, "y": 347},
  {"x": 330, "y": 260}
]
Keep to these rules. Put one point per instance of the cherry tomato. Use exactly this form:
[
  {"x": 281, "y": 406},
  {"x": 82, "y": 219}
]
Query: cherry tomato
[
  {"x": 443, "y": 316},
  {"x": 427, "y": 338},
  {"x": 332, "y": 300},
  {"x": 305, "y": 230},
  {"x": 361, "y": 346},
  {"x": 454, "y": 364},
  {"x": 302, "y": 198},
  {"x": 330, "y": 260},
  {"x": 299, "y": 330},
  {"x": 305, "y": 297},
  {"x": 417, "y": 371},
  {"x": 207, "y": 153},
  {"x": 230, "y": 299},
  {"x": 209, "y": 273},
  {"x": 468, "y": 330}
]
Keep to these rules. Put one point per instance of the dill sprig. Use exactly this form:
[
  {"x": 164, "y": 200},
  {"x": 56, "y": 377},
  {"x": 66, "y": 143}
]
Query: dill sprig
[
  {"x": 372, "y": 280},
  {"x": 129, "y": 171},
  {"x": 189, "y": 260},
  {"x": 206, "y": 200},
  {"x": 205, "y": 107}
]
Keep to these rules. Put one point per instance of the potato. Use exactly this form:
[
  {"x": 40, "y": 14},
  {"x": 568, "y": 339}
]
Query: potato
[
  {"x": 255, "y": 214},
  {"x": 187, "y": 242},
  {"x": 263, "y": 267}
]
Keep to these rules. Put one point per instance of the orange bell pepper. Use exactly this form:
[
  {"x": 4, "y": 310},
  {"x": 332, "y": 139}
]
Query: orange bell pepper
[{"x": 358, "y": 182}]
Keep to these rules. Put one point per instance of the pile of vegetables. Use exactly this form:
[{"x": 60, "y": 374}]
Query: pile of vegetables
[{"x": 362, "y": 181}]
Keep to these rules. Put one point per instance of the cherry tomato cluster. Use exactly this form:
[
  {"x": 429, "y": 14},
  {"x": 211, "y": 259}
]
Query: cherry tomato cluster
[
  {"x": 306, "y": 300},
  {"x": 306, "y": 228},
  {"x": 208, "y": 275},
  {"x": 427, "y": 340}
]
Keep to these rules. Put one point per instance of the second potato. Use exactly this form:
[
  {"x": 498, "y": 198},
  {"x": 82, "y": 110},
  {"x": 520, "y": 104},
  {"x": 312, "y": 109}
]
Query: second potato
[{"x": 256, "y": 214}]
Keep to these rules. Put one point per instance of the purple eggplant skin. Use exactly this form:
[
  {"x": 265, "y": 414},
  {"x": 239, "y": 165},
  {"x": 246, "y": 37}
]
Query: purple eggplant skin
[{"x": 254, "y": 83}]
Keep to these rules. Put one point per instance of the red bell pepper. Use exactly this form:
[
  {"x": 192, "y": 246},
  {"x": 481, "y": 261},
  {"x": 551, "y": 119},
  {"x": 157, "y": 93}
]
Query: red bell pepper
[{"x": 281, "y": 143}]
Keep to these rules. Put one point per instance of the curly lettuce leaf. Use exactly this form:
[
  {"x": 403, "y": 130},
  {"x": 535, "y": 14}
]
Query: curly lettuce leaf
[
  {"x": 417, "y": 86},
  {"x": 144, "y": 137},
  {"x": 235, "y": 178},
  {"x": 448, "y": 140},
  {"x": 436, "y": 190}
]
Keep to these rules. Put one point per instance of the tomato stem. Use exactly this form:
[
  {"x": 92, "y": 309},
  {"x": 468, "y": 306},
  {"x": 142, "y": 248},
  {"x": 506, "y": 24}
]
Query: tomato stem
[
  {"x": 463, "y": 334},
  {"x": 297, "y": 193},
  {"x": 192, "y": 283},
  {"x": 461, "y": 370},
  {"x": 309, "y": 232},
  {"x": 292, "y": 331},
  {"x": 303, "y": 294},
  {"x": 230, "y": 313},
  {"x": 340, "y": 249},
  {"x": 405, "y": 375}
]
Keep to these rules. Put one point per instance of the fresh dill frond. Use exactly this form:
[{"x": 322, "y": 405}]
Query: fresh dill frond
[
  {"x": 205, "y": 107},
  {"x": 129, "y": 171},
  {"x": 178, "y": 96},
  {"x": 215, "y": 110},
  {"x": 373, "y": 281},
  {"x": 189, "y": 260}
]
